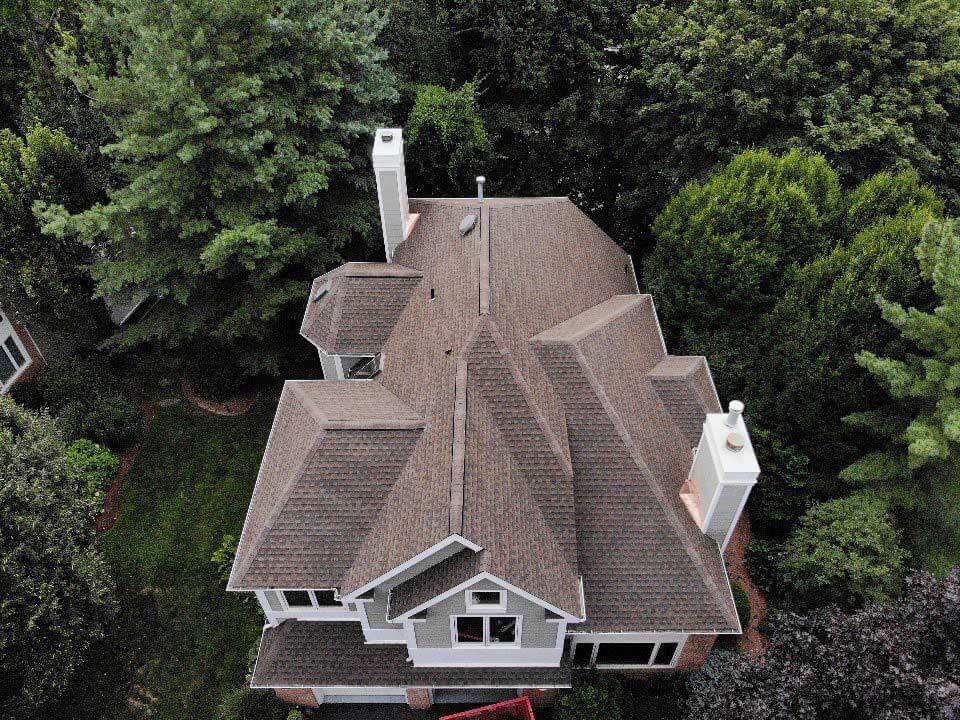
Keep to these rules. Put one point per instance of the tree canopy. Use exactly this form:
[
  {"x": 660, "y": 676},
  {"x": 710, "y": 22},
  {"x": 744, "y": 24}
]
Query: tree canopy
[
  {"x": 242, "y": 134},
  {"x": 56, "y": 587},
  {"x": 899, "y": 660}
]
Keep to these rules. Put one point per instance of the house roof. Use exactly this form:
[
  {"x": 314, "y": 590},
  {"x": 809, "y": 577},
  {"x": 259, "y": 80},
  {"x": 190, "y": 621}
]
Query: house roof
[
  {"x": 315, "y": 654},
  {"x": 526, "y": 353}
]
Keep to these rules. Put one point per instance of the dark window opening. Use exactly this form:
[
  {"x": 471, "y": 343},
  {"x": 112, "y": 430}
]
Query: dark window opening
[
  {"x": 297, "y": 598},
  {"x": 582, "y": 653},
  {"x": 433, "y": 293},
  {"x": 469, "y": 629},
  {"x": 6, "y": 367},
  {"x": 14, "y": 351},
  {"x": 326, "y": 598},
  {"x": 665, "y": 653},
  {"x": 486, "y": 598},
  {"x": 503, "y": 630},
  {"x": 363, "y": 368},
  {"x": 624, "y": 653}
]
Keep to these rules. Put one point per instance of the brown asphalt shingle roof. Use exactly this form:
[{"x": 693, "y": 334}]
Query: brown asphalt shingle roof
[
  {"x": 543, "y": 452},
  {"x": 312, "y": 654}
]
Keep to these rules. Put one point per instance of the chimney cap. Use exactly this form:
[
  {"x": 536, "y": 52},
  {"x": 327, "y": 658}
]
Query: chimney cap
[
  {"x": 388, "y": 145},
  {"x": 735, "y": 408},
  {"x": 736, "y": 441}
]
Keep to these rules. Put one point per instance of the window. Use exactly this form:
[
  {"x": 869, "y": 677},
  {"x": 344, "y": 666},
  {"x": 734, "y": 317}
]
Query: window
[
  {"x": 361, "y": 368},
  {"x": 582, "y": 653},
  {"x": 665, "y": 654},
  {"x": 14, "y": 351},
  {"x": 297, "y": 598},
  {"x": 503, "y": 630},
  {"x": 486, "y": 601},
  {"x": 470, "y": 630},
  {"x": 310, "y": 599},
  {"x": 628, "y": 654},
  {"x": 486, "y": 630},
  {"x": 326, "y": 598},
  {"x": 484, "y": 598}
]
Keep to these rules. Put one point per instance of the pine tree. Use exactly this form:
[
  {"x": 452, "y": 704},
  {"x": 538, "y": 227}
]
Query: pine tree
[
  {"x": 242, "y": 132},
  {"x": 920, "y": 467}
]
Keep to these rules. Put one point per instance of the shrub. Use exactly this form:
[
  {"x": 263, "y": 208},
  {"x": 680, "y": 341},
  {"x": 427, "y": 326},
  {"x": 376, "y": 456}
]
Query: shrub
[
  {"x": 247, "y": 704},
  {"x": 213, "y": 376},
  {"x": 592, "y": 701},
  {"x": 742, "y": 601},
  {"x": 113, "y": 421},
  {"x": 96, "y": 466},
  {"x": 295, "y": 715},
  {"x": 844, "y": 551},
  {"x": 763, "y": 561},
  {"x": 224, "y": 555}
]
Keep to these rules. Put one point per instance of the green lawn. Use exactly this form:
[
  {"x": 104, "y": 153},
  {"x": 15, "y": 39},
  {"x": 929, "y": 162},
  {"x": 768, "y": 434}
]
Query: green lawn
[{"x": 180, "y": 641}]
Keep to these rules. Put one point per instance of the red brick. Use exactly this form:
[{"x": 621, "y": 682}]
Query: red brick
[
  {"x": 298, "y": 696},
  {"x": 419, "y": 698}
]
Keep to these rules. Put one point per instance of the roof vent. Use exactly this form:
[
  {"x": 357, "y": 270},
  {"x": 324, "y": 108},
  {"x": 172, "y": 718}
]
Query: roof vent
[
  {"x": 736, "y": 407},
  {"x": 467, "y": 224},
  {"x": 387, "y": 136},
  {"x": 480, "y": 181}
]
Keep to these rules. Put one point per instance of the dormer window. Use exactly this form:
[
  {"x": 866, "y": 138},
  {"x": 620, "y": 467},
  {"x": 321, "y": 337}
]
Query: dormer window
[
  {"x": 486, "y": 630},
  {"x": 362, "y": 367},
  {"x": 310, "y": 599},
  {"x": 486, "y": 601}
]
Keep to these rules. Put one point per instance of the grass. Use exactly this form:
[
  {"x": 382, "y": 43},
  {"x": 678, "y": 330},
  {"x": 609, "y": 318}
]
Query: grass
[{"x": 180, "y": 641}]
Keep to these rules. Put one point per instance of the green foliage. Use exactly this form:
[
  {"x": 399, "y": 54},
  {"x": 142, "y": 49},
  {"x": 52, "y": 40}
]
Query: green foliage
[
  {"x": 113, "y": 421},
  {"x": 242, "y": 132},
  {"x": 179, "y": 637},
  {"x": 591, "y": 701},
  {"x": 246, "y": 704},
  {"x": 844, "y": 551},
  {"x": 43, "y": 279},
  {"x": 919, "y": 466},
  {"x": 742, "y": 601},
  {"x": 224, "y": 555},
  {"x": 295, "y": 715},
  {"x": 764, "y": 559},
  {"x": 769, "y": 269},
  {"x": 95, "y": 465},
  {"x": 445, "y": 130},
  {"x": 870, "y": 85},
  {"x": 213, "y": 373},
  {"x": 57, "y": 593},
  {"x": 896, "y": 660}
]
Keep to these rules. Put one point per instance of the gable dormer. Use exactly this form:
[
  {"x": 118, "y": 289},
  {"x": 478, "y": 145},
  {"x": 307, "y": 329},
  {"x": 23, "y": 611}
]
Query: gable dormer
[{"x": 352, "y": 311}]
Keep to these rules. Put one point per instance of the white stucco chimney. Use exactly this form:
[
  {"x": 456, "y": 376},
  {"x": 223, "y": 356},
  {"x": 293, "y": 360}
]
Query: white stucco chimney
[
  {"x": 388, "y": 166},
  {"x": 724, "y": 471}
]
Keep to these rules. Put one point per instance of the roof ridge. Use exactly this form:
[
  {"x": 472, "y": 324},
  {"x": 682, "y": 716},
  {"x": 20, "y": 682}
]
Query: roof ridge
[
  {"x": 637, "y": 457},
  {"x": 458, "y": 449}
]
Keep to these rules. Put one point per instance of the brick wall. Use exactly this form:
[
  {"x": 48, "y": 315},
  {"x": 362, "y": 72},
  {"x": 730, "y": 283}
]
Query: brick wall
[
  {"x": 419, "y": 698},
  {"x": 695, "y": 651},
  {"x": 541, "y": 698},
  {"x": 298, "y": 696}
]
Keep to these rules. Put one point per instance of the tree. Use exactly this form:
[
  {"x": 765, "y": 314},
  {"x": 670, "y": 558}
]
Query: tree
[
  {"x": 871, "y": 85},
  {"x": 44, "y": 280},
  {"x": 844, "y": 551},
  {"x": 920, "y": 465},
  {"x": 242, "y": 137},
  {"x": 445, "y": 130},
  {"x": 598, "y": 698},
  {"x": 57, "y": 593},
  {"x": 900, "y": 660},
  {"x": 769, "y": 268}
]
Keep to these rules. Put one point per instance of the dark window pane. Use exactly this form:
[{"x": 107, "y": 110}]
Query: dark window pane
[
  {"x": 503, "y": 629},
  {"x": 14, "y": 351},
  {"x": 6, "y": 367},
  {"x": 469, "y": 629},
  {"x": 582, "y": 653},
  {"x": 325, "y": 598},
  {"x": 362, "y": 368},
  {"x": 665, "y": 653},
  {"x": 486, "y": 598},
  {"x": 624, "y": 653},
  {"x": 297, "y": 598}
]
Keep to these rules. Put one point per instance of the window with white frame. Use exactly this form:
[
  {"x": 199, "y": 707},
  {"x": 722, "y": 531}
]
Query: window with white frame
[
  {"x": 625, "y": 654},
  {"x": 486, "y": 601},
  {"x": 486, "y": 631},
  {"x": 310, "y": 599},
  {"x": 364, "y": 367},
  {"x": 12, "y": 354}
]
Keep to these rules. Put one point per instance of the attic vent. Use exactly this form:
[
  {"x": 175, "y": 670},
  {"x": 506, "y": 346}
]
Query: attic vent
[
  {"x": 467, "y": 224},
  {"x": 320, "y": 295}
]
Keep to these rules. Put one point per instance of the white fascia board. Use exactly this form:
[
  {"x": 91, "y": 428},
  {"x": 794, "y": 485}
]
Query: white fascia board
[
  {"x": 430, "y": 687},
  {"x": 432, "y": 550},
  {"x": 492, "y": 578}
]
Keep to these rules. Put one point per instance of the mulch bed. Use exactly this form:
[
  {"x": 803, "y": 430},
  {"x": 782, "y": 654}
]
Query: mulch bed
[
  {"x": 108, "y": 517},
  {"x": 228, "y": 408},
  {"x": 752, "y": 642}
]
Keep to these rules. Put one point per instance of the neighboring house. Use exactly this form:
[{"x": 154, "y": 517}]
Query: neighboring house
[
  {"x": 21, "y": 358},
  {"x": 505, "y": 476}
]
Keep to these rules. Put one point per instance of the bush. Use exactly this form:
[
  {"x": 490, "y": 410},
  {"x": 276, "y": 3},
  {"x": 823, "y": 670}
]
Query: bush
[
  {"x": 247, "y": 704},
  {"x": 112, "y": 421},
  {"x": 844, "y": 551},
  {"x": 212, "y": 375},
  {"x": 763, "y": 562},
  {"x": 96, "y": 466},
  {"x": 224, "y": 555},
  {"x": 742, "y": 601},
  {"x": 596, "y": 700}
]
